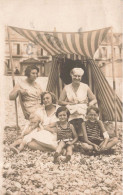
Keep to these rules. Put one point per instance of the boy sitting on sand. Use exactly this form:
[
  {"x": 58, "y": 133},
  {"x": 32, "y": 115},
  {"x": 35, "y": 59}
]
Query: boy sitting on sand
[{"x": 95, "y": 135}]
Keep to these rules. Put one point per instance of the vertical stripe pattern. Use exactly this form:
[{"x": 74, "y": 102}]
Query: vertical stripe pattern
[
  {"x": 105, "y": 94},
  {"x": 55, "y": 43}
]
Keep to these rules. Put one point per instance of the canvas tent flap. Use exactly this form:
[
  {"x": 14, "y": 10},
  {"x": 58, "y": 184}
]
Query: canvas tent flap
[
  {"x": 105, "y": 94},
  {"x": 56, "y": 43}
]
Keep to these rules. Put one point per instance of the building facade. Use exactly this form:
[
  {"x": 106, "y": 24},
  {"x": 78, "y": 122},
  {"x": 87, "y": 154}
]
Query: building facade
[
  {"x": 24, "y": 53},
  {"x": 103, "y": 56}
]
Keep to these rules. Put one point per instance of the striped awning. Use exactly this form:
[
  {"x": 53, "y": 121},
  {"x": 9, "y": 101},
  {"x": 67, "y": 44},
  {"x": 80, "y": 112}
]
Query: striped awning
[{"x": 55, "y": 43}]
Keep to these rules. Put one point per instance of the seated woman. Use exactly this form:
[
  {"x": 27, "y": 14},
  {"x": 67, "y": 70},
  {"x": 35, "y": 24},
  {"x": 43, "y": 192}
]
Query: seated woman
[
  {"x": 95, "y": 135},
  {"x": 76, "y": 97},
  {"x": 45, "y": 140},
  {"x": 29, "y": 89}
]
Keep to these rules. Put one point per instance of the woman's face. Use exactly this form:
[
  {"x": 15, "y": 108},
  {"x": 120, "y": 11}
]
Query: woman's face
[
  {"x": 33, "y": 75},
  {"x": 47, "y": 99},
  {"x": 76, "y": 77}
]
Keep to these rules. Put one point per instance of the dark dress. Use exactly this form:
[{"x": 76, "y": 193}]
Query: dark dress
[
  {"x": 94, "y": 132},
  {"x": 64, "y": 134}
]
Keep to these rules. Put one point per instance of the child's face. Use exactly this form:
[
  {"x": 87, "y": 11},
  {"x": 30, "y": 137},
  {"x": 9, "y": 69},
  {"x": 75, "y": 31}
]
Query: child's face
[
  {"x": 62, "y": 116},
  {"x": 34, "y": 120},
  {"x": 92, "y": 116}
]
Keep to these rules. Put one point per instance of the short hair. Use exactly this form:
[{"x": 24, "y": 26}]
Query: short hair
[
  {"x": 61, "y": 109},
  {"x": 93, "y": 108},
  {"x": 29, "y": 69},
  {"x": 80, "y": 70},
  {"x": 54, "y": 100}
]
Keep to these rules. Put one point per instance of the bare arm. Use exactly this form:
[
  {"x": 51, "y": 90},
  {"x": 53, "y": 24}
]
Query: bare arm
[
  {"x": 15, "y": 92},
  {"x": 85, "y": 134},
  {"x": 91, "y": 97},
  {"x": 74, "y": 135},
  {"x": 86, "y": 137},
  {"x": 63, "y": 99},
  {"x": 103, "y": 131},
  {"x": 51, "y": 128}
]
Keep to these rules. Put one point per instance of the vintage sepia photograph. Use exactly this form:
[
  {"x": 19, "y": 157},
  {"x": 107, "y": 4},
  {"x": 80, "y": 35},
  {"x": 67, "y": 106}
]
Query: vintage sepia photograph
[{"x": 61, "y": 97}]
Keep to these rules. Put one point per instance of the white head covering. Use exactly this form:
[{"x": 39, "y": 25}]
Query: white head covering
[{"x": 79, "y": 71}]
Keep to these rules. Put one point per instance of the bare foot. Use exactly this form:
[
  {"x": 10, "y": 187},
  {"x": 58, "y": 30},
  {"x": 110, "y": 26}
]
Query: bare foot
[
  {"x": 68, "y": 157},
  {"x": 64, "y": 151},
  {"x": 15, "y": 150}
]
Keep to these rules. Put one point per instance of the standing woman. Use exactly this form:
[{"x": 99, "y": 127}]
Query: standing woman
[
  {"x": 77, "y": 96},
  {"x": 29, "y": 89}
]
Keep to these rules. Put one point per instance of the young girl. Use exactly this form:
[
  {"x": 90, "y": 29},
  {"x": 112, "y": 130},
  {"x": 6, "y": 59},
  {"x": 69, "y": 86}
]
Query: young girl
[
  {"x": 95, "y": 134},
  {"x": 66, "y": 134},
  {"x": 22, "y": 141}
]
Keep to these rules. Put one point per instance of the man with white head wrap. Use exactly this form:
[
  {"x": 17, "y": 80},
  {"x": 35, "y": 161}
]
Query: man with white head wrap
[{"x": 77, "y": 96}]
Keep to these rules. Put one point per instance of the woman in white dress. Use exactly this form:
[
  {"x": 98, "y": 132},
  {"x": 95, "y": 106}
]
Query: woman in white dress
[
  {"x": 77, "y": 96},
  {"x": 43, "y": 139}
]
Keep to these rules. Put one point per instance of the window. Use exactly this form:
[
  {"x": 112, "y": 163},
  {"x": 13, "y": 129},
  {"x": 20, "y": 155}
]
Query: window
[
  {"x": 25, "y": 49},
  {"x": 48, "y": 54},
  {"x": 41, "y": 52},
  {"x": 8, "y": 64},
  {"x": 120, "y": 52},
  {"x": 18, "y": 49},
  {"x": 104, "y": 52},
  {"x": 114, "y": 52}
]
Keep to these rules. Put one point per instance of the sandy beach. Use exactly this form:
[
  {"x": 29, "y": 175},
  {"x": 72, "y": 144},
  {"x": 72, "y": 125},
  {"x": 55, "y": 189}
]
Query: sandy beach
[{"x": 34, "y": 173}]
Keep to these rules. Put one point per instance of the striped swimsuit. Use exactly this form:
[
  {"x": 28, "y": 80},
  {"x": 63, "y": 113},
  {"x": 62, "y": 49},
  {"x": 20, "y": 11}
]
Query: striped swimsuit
[
  {"x": 64, "y": 134},
  {"x": 93, "y": 132}
]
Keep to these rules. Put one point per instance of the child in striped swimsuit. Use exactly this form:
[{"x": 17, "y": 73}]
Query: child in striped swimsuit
[
  {"x": 66, "y": 134},
  {"x": 95, "y": 135}
]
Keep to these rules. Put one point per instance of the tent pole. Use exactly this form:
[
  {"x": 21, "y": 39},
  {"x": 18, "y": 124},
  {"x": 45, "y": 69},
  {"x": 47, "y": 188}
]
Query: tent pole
[
  {"x": 13, "y": 79},
  {"x": 114, "y": 84}
]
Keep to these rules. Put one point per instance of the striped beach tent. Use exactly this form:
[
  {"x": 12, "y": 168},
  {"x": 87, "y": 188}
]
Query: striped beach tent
[
  {"x": 67, "y": 43},
  {"x": 81, "y": 46}
]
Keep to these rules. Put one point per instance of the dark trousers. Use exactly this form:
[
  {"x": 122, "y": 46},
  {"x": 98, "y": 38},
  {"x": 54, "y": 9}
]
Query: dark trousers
[{"x": 77, "y": 123}]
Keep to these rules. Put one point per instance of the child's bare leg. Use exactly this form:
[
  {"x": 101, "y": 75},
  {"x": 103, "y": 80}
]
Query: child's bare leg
[
  {"x": 101, "y": 144},
  {"x": 69, "y": 153},
  {"x": 21, "y": 147},
  {"x": 112, "y": 142},
  {"x": 60, "y": 147},
  {"x": 64, "y": 151},
  {"x": 16, "y": 142},
  {"x": 87, "y": 147},
  {"x": 58, "y": 150}
]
